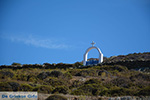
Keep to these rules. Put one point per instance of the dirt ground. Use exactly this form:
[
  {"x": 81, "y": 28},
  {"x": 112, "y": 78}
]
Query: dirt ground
[{"x": 74, "y": 97}]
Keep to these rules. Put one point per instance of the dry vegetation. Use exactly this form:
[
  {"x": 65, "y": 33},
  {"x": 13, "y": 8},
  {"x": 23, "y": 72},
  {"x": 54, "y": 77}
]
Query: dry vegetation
[{"x": 101, "y": 80}]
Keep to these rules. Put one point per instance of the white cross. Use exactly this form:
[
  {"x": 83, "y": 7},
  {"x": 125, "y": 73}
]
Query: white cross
[{"x": 93, "y": 43}]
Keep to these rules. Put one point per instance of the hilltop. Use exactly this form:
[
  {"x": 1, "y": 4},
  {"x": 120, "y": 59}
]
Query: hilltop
[
  {"x": 130, "y": 61},
  {"x": 117, "y": 76},
  {"x": 130, "y": 57}
]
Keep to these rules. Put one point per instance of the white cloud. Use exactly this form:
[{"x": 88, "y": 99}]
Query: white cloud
[{"x": 39, "y": 42}]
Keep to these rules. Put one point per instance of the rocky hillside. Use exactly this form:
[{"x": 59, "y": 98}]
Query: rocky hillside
[
  {"x": 130, "y": 57},
  {"x": 136, "y": 61},
  {"x": 116, "y": 76}
]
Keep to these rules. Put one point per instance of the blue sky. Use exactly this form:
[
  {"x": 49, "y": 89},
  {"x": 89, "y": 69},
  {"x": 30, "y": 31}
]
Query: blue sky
[{"x": 54, "y": 31}]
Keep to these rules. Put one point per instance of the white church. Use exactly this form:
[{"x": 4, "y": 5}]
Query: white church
[{"x": 85, "y": 62}]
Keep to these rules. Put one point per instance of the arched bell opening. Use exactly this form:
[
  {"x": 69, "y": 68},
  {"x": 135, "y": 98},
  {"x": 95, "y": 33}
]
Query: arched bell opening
[{"x": 87, "y": 51}]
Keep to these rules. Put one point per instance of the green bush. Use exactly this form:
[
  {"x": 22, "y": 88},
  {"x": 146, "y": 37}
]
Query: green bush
[
  {"x": 104, "y": 73},
  {"x": 104, "y": 92},
  {"x": 16, "y": 64},
  {"x": 55, "y": 82},
  {"x": 117, "y": 91},
  {"x": 9, "y": 86},
  {"x": 93, "y": 81},
  {"x": 88, "y": 72},
  {"x": 74, "y": 71},
  {"x": 145, "y": 91},
  {"x": 6, "y": 74},
  {"x": 76, "y": 84},
  {"x": 78, "y": 92},
  {"x": 67, "y": 76},
  {"x": 56, "y": 97},
  {"x": 26, "y": 87},
  {"x": 15, "y": 86},
  {"x": 77, "y": 64},
  {"x": 32, "y": 79},
  {"x": 141, "y": 76},
  {"x": 56, "y": 73},
  {"x": 4, "y": 86},
  {"x": 22, "y": 77},
  {"x": 43, "y": 75},
  {"x": 89, "y": 89},
  {"x": 112, "y": 68},
  {"x": 61, "y": 89},
  {"x": 43, "y": 89},
  {"x": 121, "y": 82}
]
